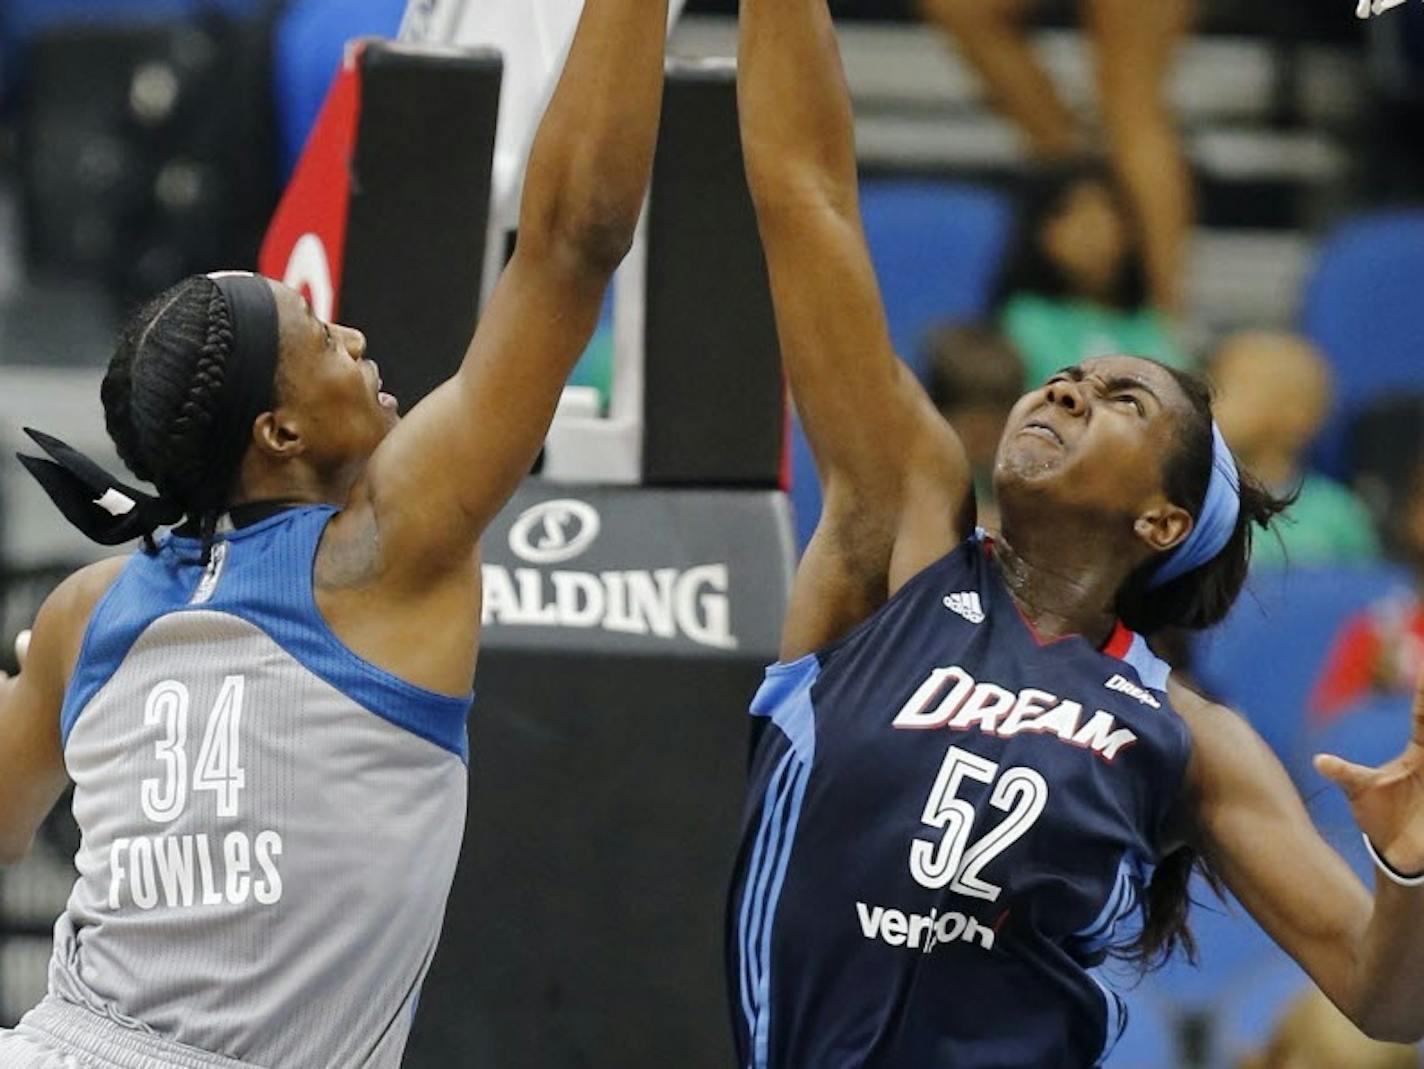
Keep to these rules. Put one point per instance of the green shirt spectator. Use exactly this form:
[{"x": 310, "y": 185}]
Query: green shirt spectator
[
  {"x": 1051, "y": 334},
  {"x": 1273, "y": 392},
  {"x": 1327, "y": 524},
  {"x": 1073, "y": 285}
]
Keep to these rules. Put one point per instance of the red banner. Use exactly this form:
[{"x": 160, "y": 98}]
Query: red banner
[{"x": 306, "y": 242}]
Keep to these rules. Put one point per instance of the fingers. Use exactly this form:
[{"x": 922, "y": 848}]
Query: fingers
[
  {"x": 1348, "y": 776},
  {"x": 22, "y": 647}
]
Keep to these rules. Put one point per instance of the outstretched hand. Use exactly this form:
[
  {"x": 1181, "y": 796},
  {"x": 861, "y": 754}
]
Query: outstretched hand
[{"x": 1388, "y": 801}]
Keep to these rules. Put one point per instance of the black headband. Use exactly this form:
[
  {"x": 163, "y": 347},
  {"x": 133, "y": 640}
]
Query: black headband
[
  {"x": 111, "y": 512},
  {"x": 250, "y": 377}
]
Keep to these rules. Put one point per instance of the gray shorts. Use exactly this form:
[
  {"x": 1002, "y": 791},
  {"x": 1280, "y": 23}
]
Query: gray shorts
[{"x": 60, "y": 1035}]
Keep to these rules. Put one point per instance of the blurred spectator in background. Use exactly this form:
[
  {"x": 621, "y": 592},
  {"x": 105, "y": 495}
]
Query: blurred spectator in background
[
  {"x": 1074, "y": 285},
  {"x": 1313, "y": 1034},
  {"x": 1381, "y": 650},
  {"x": 974, "y": 379},
  {"x": 1273, "y": 393},
  {"x": 1133, "y": 45},
  {"x": 144, "y": 149}
]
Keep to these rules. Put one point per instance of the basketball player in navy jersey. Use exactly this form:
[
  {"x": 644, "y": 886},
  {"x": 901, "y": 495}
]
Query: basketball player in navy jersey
[
  {"x": 975, "y": 774},
  {"x": 263, "y": 712}
]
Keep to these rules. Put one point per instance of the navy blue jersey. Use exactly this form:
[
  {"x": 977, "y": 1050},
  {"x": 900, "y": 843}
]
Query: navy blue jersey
[{"x": 950, "y": 822}]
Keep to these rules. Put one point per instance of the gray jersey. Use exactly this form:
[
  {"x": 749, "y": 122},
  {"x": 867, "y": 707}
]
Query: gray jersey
[{"x": 270, "y": 824}]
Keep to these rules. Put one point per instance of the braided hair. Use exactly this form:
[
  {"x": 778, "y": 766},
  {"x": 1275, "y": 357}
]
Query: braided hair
[{"x": 162, "y": 398}]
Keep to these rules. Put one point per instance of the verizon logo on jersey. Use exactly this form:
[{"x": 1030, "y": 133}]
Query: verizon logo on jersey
[
  {"x": 951, "y": 698},
  {"x": 921, "y": 931}
]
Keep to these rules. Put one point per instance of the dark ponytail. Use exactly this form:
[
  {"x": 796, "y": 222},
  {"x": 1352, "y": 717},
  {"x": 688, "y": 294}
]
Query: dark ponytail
[
  {"x": 163, "y": 395},
  {"x": 1166, "y": 905},
  {"x": 1195, "y": 600}
]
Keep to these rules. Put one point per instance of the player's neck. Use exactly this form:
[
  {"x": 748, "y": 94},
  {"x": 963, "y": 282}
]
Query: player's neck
[
  {"x": 1064, "y": 584},
  {"x": 296, "y": 483}
]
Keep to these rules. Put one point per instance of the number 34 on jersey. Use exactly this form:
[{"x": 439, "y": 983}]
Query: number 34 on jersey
[{"x": 228, "y": 867}]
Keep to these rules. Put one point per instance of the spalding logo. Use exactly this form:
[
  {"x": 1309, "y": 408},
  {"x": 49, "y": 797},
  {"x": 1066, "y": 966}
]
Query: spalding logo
[{"x": 554, "y": 531}]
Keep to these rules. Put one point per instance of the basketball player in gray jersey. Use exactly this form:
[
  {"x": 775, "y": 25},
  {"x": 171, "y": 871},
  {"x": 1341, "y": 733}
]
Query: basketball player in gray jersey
[{"x": 263, "y": 711}]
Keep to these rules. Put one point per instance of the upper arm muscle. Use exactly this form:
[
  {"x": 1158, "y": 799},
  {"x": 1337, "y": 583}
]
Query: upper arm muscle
[
  {"x": 1256, "y": 833},
  {"x": 865, "y": 416},
  {"x": 868, "y": 545},
  {"x": 897, "y": 491},
  {"x": 32, "y": 772},
  {"x": 450, "y": 465}
]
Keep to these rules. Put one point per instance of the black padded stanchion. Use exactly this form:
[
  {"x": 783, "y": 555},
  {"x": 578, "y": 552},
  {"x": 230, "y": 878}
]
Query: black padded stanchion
[
  {"x": 713, "y": 393},
  {"x": 419, "y": 218},
  {"x": 626, "y": 631},
  {"x": 389, "y": 208}
]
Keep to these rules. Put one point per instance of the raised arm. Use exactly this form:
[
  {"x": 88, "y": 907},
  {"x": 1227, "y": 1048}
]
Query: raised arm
[
  {"x": 443, "y": 473},
  {"x": 1366, "y": 954},
  {"x": 897, "y": 492}
]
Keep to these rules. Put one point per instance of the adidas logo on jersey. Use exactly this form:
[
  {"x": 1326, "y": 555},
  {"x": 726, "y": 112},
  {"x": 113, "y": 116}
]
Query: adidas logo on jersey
[
  {"x": 966, "y": 603},
  {"x": 1126, "y": 686}
]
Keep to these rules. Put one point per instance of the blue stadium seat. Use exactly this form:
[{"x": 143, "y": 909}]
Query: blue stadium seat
[
  {"x": 307, "y": 48},
  {"x": 1256, "y": 1002},
  {"x": 1149, "y": 1041},
  {"x": 1361, "y": 306},
  {"x": 936, "y": 247},
  {"x": 1228, "y": 941},
  {"x": 1370, "y": 734},
  {"x": 1178, "y": 1008},
  {"x": 1265, "y": 658}
]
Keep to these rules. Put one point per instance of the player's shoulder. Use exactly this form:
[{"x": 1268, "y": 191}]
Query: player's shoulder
[
  {"x": 1200, "y": 713},
  {"x": 82, "y": 589},
  {"x": 63, "y": 619},
  {"x": 65, "y": 613},
  {"x": 1224, "y": 744}
]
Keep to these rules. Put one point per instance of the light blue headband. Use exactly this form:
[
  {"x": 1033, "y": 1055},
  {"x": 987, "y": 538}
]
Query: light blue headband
[{"x": 1213, "y": 527}]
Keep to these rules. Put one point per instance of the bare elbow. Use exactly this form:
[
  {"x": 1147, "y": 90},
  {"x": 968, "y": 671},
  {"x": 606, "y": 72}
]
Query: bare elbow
[
  {"x": 1408, "y": 1037},
  {"x": 789, "y": 194},
  {"x": 592, "y": 240},
  {"x": 1384, "y": 1026},
  {"x": 1407, "y": 1033},
  {"x": 600, "y": 239}
]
